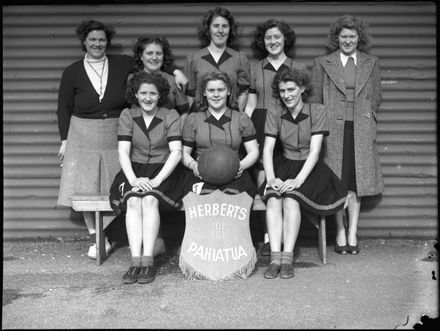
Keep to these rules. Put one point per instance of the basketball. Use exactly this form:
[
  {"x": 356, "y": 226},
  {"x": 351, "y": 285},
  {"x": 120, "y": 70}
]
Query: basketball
[{"x": 218, "y": 165}]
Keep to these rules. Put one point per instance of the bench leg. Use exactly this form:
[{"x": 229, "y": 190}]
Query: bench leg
[
  {"x": 100, "y": 243},
  {"x": 322, "y": 240}
]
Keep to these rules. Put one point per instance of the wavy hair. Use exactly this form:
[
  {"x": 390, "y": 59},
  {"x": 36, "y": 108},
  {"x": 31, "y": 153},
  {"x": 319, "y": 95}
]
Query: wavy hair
[
  {"x": 210, "y": 76},
  {"x": 142, "y": 43},
  {"x": 258, "y": 43},
  {"x": 86, "y": 27},
  {"x": 203, "y": 29},
  {"x": 300, "y": 76},
  {"x": 143, "y": 77},
  {"x": 352, "y": 23}
]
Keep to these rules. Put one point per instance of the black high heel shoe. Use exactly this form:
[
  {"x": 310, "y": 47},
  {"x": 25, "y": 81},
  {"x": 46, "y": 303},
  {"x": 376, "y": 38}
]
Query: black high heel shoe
[
  {"x": 340, "y": 249},
  {"x": 354, "y": 250}
]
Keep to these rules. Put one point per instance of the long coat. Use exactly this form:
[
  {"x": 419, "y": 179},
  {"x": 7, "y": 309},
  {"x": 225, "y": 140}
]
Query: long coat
[{"x": 329, "y": 89}]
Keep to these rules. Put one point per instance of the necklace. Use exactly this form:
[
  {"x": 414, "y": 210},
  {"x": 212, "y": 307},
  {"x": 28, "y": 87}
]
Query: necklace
[{"x": 99, "y": 75}]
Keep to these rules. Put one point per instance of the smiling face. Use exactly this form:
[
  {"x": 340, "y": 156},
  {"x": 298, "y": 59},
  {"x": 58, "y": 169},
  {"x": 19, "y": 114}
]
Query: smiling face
[
  {"x": 216, "y": 94},
  {"x": 348, "y": 41},
  {"x": 274, "y": 41},
  {"x": 219, "y": 31},
  {"x": 152, "y": 58},
  {"x": 147, "y": 97},
  {"x": 96, "y": 44},
  {"x": 290, "y": 94}
]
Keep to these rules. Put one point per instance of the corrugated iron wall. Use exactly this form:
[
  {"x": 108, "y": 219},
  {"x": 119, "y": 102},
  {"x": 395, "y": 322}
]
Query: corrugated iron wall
[{"x": 39, "y": 42}]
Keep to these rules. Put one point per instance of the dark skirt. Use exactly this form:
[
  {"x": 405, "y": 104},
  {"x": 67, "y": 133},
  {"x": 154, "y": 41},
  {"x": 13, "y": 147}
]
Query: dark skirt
[
  {"x": 322, "y": 193},
  {"x": 169, "y": 193},
  {"x": 243, "y": 183},
  {"x": 348, "y": 163}
]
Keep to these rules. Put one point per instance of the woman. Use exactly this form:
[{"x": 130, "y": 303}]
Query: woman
[
  {"x": 272, "y": 40},
  {"x": 347, "y": 81},
  {"x": 216, "y": 124},
  {"x": 297, "y": 178},
  {"x": 90, "y": 100},
  {"x": 149, "y": 148},
  {"x": 217, "y": 32}
]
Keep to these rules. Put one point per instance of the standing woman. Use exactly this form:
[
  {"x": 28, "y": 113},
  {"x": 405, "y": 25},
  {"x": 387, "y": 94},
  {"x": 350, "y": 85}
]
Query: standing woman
[
  {"x": 272, "y": 40},
  {"x": 347, "y": 81},
  {"x": 150, "y": 147},
  {"x": 297, "y": 178},
  {"x": 90, "y": 99},
  {"x": 216, "y": 33},
  {"x": 217, "y": 124}
]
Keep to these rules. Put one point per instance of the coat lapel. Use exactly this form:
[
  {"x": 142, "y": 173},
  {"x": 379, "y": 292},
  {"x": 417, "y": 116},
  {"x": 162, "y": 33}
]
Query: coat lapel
[
  {"x": 333, "y": 66},
  {"x": 363, "y": 71}
]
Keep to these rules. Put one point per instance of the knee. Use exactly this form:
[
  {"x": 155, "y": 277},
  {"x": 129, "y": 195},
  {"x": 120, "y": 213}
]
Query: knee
[
  {"x": 133, "y": 203},
  {"x": 290, "y": 206},
  {"x": 150, "y": 202}
]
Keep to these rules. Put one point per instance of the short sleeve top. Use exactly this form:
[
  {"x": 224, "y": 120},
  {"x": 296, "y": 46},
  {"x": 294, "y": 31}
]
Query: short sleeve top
[
  {"x": 201, "y": 130},
  {"x": 149, "y": 145},
  {"x": 234, "y": 63},
  {"x": 262, "y": 74},
  {"x": 295, "y": 133}
]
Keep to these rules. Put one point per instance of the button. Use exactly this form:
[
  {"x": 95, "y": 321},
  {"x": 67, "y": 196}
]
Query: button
[
  {"x": 104, "y": 115},
  {"x": 367, "y": 115}
]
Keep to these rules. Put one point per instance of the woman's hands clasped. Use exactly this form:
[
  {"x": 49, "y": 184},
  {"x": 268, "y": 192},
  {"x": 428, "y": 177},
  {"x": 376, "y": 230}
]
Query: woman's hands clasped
[
  {"x": 285, "y": 186},
  {"x": 145, "y": 183}
]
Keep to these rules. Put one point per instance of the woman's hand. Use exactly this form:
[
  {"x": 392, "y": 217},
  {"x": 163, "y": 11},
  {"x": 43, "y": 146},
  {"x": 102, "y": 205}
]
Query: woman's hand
[
  {"x": 290, "y": 185},
  {"x": 181, "y": 80},
  {"x": 239, "y": 172},
  {"x": 143, "y": 183},
  {"x": 275, "y": 183},
  {"x": 62, "y": 151},
  {"x": 194, "y": 166}
]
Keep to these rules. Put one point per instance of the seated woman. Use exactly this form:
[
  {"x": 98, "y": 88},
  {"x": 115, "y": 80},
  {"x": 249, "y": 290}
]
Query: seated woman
[
  {"x": 297, "y": 178},
  {"x": 216, "y": 123},
  {"x": 149, "y": 147}
]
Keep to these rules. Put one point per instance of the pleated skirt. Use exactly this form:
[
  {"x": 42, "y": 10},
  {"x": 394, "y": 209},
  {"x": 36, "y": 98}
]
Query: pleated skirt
[
  {"x": 91, "y": 158},
  {"x": 169, "y": 192},
  {"x": 322, "y": 193}
]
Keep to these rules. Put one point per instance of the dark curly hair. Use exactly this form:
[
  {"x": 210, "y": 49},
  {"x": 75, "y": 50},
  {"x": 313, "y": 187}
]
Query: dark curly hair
[
  {"x": 143, "y": 77},
  {"x": 349, "y": 22},
  {"x": 142, "y": 43},
  {"x": 258, "y": 43},
  {"x": 300, "y": 76},
  {"x": 210, "y": 76},
  {"x": 203, "y": 30},
  {"x": 86, "y": 27}
]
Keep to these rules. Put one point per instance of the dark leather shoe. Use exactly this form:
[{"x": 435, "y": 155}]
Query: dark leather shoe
[
  {"x": 131, "y": 275},
  {"x": 286, "y": 271},
  {"x": 265, "y": 250},
  {"x": 353, "y": 249},
  {"x": 340, "y": 249},
  {"x": 146, "y": 275},
  {"x": 272, "y": 271}
]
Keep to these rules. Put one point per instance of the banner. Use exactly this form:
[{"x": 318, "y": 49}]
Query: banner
[{"x": 217, "y": 243}]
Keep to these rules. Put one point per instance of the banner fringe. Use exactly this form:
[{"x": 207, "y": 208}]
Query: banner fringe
[{"x": 190, "y": 273}]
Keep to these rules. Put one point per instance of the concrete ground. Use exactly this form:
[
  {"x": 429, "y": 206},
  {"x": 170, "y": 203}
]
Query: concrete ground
[{"x": 51, "y": 284}]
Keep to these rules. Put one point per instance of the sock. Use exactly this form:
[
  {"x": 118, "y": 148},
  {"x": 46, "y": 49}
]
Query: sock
[
  {"x": 287, "y": 257},
  {"x": 135, "y": 261},
  {"x": 147, "y": 261},
  {"x": 266, "y": 238},
  {"x": 275, "y": 257}
]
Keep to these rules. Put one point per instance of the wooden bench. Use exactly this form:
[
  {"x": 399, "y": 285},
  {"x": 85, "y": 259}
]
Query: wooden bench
[{"x": 100, "y": 203}]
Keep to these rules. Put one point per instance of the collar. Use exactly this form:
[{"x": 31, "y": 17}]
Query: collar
[
  {"x": 344, "y": 58},
  {"x": 269, "y": 66},
  {"x": 209, "y": 58},
  {"x": 225, "y": 118},
  {"x": 139, "y": 120},
  {"x": 287, "y": 115}
]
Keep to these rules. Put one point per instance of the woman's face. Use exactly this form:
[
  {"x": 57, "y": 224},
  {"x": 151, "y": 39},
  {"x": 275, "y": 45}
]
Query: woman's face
[
  {"x": 219, "y": 31},
  {"x": 152, "y": 57},
  {"x": 216, "y": 94},
  {"x": 96, "y": 44},
  {"x": 348, "y": 41},
  {"x": 290, "y": 94},
  {"x": 147, "y": 97},
  {"x": 274, "y": 41}
]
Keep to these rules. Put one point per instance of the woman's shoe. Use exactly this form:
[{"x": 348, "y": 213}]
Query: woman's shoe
[
  {"x": 131, "y": 275},
  {"x": 272, "y": 271},
  {"x": 340, "y": 249},
  {"x": 146, "y": 275},
  {"x": 286, "y": 271},
  {"x": 354, "y": 250}
]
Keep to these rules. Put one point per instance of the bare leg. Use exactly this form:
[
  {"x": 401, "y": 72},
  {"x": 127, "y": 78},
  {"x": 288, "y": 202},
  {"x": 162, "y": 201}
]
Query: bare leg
[
  {"x": 134, "y": 225},
  {"x": 354, "y": 207},
  {"x": 89, "y": 219},
  {"x": 274, "y": 219},
  {"x": 291, "y": 223},
  {"x": 341, "y": 238},
  {"x": 151, "y": 223}
]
